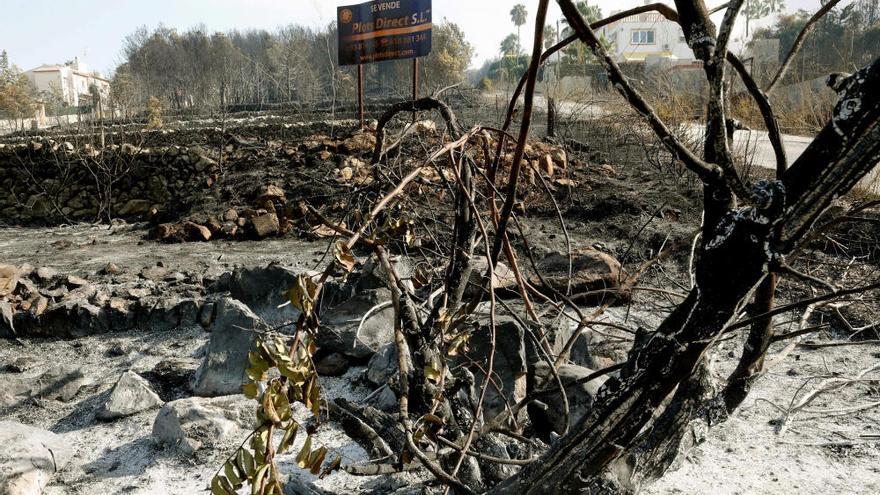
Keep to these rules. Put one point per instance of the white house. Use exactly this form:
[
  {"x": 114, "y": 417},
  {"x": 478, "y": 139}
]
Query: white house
[
  {"x": 71, "y": 82},
  {"x": 649, "y": 38}
]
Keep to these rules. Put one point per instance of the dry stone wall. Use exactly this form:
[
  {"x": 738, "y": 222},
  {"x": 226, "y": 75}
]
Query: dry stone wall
[{"x": 51, "y": 182}]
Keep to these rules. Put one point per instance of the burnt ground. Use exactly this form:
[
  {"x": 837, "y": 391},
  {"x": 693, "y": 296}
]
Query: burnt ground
[{"x": 621, "y": 204}]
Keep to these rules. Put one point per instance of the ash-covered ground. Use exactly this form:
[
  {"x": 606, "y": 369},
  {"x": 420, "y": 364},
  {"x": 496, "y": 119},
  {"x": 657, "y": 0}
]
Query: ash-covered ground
[{"x": 162, "y": 290}]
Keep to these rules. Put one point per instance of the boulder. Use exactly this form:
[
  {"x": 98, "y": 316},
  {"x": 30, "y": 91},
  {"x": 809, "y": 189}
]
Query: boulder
[
  {"x": 46, "y": 274},
  {"x": 333, "y": 364},
  {"x": 7, "y": 324},
  {"x": 72, "y": 318},
  {"x": 195, "y": 232},
  {"x": 29, "y": 458},
  {"x": 504, "y": 280},
  {"x": 383, "y": 366},
  {"x": 339, "y": 324},
  {"x": 59, "y": 382},
  {"x": 263, "y": 290},
  {"x": 271, "y": 193},
  {"x": 266, "y": 225},
  {"x": 222, "y": 371},
  {"x": 8, "y": 279},
  {"x": 510, "y": 366},
  {"x": 131, "y": 395},
  {"x": 595, "y": 276},
  {"x": 548, "y": 414},
  {"x": 154, "y": 273},
  {"x": 195, "y": 423}
]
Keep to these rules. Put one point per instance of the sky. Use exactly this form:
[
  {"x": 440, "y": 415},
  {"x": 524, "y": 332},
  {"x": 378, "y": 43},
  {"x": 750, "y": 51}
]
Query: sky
[{"x": 35, "y": 32}]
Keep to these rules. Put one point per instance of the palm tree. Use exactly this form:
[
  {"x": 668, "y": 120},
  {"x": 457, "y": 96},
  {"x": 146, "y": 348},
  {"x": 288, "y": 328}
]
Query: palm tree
[
  {"x": 759, "y": 9},
  {"x": 549, "y": 36},
  {"x": 510, "y": 46},
  {"x": 519, "y": 16},
  {"x": 591, "y": 14}
]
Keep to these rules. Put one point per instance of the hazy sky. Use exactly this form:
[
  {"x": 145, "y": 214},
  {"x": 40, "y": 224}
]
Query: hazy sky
[{"x": 52, "y": 31}]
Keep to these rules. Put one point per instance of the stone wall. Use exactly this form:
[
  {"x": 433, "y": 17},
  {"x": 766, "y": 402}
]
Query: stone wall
[{"x": 51, "y": 182}]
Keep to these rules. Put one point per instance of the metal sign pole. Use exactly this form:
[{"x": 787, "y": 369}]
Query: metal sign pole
[
  {"x": 361, "y": 94},
  {"x": 415, "y": 84}
]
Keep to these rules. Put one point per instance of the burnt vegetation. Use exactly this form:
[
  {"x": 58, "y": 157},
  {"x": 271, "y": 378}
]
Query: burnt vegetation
[{"x": 501, "y": 374}]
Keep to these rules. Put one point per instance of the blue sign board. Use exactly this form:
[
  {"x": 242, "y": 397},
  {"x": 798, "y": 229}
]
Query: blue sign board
[{"x": 384, "y": 30}]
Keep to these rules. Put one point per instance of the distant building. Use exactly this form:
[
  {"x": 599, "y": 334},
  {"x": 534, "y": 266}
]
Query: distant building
[
  {"x": 648, "y": 38},
  {"x": 71, "y": 82}
]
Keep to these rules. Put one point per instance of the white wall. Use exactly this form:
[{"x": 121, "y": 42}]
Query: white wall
[{"x": 668, "y": 38}]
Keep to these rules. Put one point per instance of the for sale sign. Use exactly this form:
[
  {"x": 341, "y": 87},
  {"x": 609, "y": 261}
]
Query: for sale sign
[{"x": 384, "y": 30}]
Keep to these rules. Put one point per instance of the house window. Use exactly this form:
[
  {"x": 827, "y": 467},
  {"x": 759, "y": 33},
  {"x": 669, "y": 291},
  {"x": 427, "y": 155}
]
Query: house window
[{"x": 643, "y": 37}]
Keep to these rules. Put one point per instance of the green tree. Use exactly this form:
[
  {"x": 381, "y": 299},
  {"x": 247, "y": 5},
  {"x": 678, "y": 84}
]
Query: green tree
[
  {"x": 759, "y": 9},
  {"x": 16, "y": 92},
  {"x": 550, "y": 36},
  {"x": 450, "y": 57},
  {"x": 510, "y": 46},
  {"x": 519, "y": 15},
  {"x": 578, "y": 53}
]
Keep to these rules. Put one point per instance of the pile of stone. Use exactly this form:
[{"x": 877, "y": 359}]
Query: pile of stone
[{"x": 43, "y": 302}]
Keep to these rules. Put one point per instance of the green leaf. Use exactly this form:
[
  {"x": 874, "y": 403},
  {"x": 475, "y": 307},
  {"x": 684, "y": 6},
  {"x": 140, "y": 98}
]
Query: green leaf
[
  {"x": 250, "y": 390},
  {"x": 245, "y": 462},
  {"x": 217, "y": 487},
  {"x": 233, "y": 475},
  {"x": 221, "y": 486}
]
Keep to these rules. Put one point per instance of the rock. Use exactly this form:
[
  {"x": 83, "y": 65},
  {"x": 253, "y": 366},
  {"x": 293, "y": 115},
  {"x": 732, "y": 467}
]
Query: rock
[
  {"x": 263, "y": 290},
  {"x": 384, "y": 400},
  {"x": 222, "y": 372},
  {"x": 7, "y": 324},
  {"x": 382, "y": 367},
  {"x": 580, "y": 397},
  {"x": 333, "y": 364},
  {"x": 73, "y": 281},
  {"x": 195, "y": 423},
  {"x": 59, "y": 382},
  {"x": 8, "y": 279},
  {"x": 131, "y": 395},
  {"x": 373, "y": 275},
  {"x": 195, "y": 232},
  {"x": 266, "y": 225},
  {"x": 272, "y": 193},
  {"x": 504, "y": 279},
  {"x": 510, "y": 367},
  {"x": 596, "y": 276},
  {"x": 29, "y": 458},
  {"x": 165, "y": 232},
  {"x": 111, "y": 269},
  {"x": 154, "y": 273},
  {"x": 230, "y": 215},
  {"x": 137, "y": 294},
  {"x": 72, "y": 318},
  {"x": 46, "y": 274},
  {"x": 120, "y": 315},
  {"x": 339, "y": 324},
  {"x": 206, "y": 315},
  {"x": 135, "y": 207},
  {"x": 18, "y": 365}
]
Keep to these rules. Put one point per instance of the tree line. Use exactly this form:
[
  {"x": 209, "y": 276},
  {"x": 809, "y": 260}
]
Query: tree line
[{"x": 197, "y": 69}]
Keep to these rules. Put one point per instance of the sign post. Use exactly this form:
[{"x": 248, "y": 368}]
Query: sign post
[
  {"x": 361, "y": 94},
  {"x": 384, "y": 30},
  {"x": 415, "y": 82}
]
